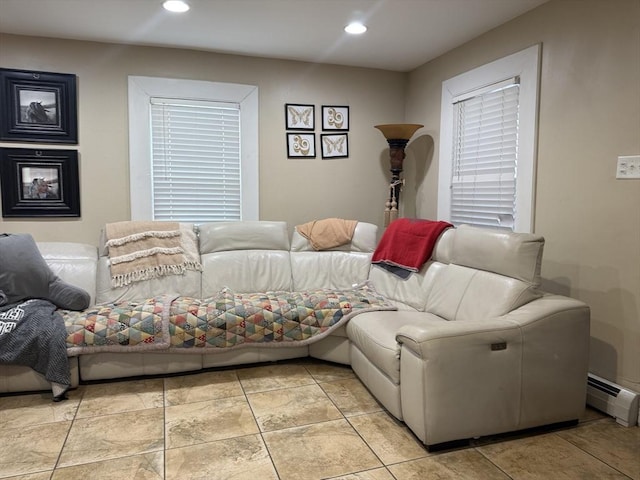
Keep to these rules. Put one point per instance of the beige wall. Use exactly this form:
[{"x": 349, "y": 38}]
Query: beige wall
[
  {"x": 296, "y": 191},
  {"x": 589, "y": 115}
]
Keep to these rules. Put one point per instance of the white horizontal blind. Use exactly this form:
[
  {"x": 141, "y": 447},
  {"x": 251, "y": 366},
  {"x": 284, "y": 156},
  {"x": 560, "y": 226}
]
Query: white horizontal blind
[
  {"x": 485, "y": 156},
  {"x": 195, "y": 160}
]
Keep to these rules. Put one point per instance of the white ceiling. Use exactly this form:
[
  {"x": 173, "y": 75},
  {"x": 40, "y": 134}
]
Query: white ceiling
[{"x": 403, "y": 34}]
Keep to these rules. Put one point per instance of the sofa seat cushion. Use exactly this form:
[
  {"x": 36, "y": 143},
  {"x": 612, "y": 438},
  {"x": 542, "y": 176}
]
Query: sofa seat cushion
[
  {"x": 118, "y": 327},
  {"x": 374, "y": 334},
  {"x": 232, "y": 319}
]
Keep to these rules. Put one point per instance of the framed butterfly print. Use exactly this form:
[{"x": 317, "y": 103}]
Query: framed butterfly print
[
  {"x": 335, "y": 117},
  {"x": 299, "y": 116},
  {"x": 334, "y": 145}
]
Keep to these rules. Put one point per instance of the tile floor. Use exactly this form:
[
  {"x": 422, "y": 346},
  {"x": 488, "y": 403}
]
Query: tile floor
[{"x": 296, "y": 420}]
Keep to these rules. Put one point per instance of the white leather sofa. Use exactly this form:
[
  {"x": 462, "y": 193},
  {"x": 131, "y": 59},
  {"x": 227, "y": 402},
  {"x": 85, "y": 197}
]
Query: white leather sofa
[{"x": 474, "y": 348}]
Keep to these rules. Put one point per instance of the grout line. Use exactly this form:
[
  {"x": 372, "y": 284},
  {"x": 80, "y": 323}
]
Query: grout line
[
  {"x": 592, "y": 455},
  {"x": 66, "y": 437},
  {"x": 491, "y": 462}
]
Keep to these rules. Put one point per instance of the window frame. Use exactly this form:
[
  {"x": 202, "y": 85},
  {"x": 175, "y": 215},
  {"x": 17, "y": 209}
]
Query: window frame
[
  {"x": 526, "y": 65},
  {"x": 142, "y": 89}
]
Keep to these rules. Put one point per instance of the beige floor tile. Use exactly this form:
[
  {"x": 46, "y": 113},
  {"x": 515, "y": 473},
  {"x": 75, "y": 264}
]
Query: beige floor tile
[
  {"x": 375, "y": 474},
  {"x": 31, "y": 449},
  {"x": 289, "y": 407},
  {"x": 201, "y": 422},
  {"x": 591, "y": 414},
  {"x": 317, "y": 451},
  {"x": 27, "y": 410},
  {"x": 118, "y": 397},
  {"x": 32, "y": 476},
  {"x": 201, "y": 387},
  {"x": 351, "y": 397},
  {"x": 546, "y": 456},
  {"x": 391, "y": 440},
  {"x": 273, "y": 377},
  {"x": 460, "y": 465},
  {"x": 617, "y": 446},
  {"x": 240, "y": 458},
  {"x": 148, "y": 466},
  {"x": 33, "y": 399},
  {"x": 329, "y": 372},
  {"x": 95, "y": 439}
]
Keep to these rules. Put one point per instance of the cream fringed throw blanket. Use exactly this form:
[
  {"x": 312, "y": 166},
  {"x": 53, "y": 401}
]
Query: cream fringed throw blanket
[{"x": 141, "y": 250}]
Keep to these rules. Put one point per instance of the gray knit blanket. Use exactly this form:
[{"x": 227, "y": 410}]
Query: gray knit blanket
[{"x": 33, "y": 334}]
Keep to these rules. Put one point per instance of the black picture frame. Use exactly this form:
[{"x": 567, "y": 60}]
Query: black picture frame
[
  {"x": 301, "y": 145},
  {"x": 38, "y": 107},
  {"x": 39, "y": 183},
  {"x": 300, "y": 116},
  {"x": 335, "y": 117},
  {"x": 335, "y": 145}
]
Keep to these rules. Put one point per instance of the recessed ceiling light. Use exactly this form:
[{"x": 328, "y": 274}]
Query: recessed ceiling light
[
  {"x": 177, "y": 6},
  {"x": 355, "y": 28}
]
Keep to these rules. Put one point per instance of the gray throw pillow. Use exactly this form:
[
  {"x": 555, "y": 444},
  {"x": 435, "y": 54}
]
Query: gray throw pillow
[{"x": 25, "y": 274}]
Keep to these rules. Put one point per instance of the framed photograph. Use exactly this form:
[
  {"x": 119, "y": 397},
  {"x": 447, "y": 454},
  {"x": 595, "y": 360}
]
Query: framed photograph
[
  {"x": 38, "y": 107},
  {"x": 299, "y": 116},
  {"x": 39, "y": 183},
  {"x": 335, "y": 117},
  {"x": 301, "y": 145},
  {"x": 335, "y": 145}
]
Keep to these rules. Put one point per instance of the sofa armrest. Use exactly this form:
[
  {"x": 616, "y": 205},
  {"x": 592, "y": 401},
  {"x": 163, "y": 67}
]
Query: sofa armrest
[
  {"x": 418, "y": 338},
  {"x": 547, "y": 313},
  {"x": 523, "y": 369},
  {"x": 555, "y": 358}
]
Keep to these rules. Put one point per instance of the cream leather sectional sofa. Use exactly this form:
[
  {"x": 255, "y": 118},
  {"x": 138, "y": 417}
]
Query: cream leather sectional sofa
[{"x": 473, "y": 349}]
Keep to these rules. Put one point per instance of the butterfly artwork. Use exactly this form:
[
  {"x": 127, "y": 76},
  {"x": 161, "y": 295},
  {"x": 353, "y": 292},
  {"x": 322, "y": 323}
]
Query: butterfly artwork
[
  {"x": 335, "y": 146},
  {"x": 300, "y": 116}
]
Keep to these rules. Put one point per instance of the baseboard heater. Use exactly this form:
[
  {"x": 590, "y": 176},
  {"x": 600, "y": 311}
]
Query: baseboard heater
[{"x": 613, "y": 399}]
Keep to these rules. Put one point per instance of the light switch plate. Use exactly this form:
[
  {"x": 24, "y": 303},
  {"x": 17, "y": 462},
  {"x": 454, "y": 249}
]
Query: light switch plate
[{"x": 628, "y": 167}]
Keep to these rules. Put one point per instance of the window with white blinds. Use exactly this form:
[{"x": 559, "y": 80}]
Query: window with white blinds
[
  {"x": 485, "y": 156},
  {"x": 193, "y": 150},
  {"x": 488, "y": 132},
  {"x": 195, "y": 160}
]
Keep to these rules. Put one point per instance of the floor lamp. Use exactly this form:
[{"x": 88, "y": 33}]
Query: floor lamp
[{"x": 397, "y": 135}]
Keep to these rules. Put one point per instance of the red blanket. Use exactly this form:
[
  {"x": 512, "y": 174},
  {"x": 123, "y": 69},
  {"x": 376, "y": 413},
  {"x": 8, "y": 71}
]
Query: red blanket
[{"x": 408, "y": 243}]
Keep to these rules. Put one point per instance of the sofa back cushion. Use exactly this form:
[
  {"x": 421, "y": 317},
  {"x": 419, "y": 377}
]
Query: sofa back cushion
[
  {"x": 413, "y": 291},
  {"x": 516, "y": 255},
  {"x": 245, "y": 256},
  {"x": 75, "y": 263},
  {"x": 187, "y": 284},
  {"x": 490, "y": 273},
  {"x": 463, "y": 293},
  {"x": 339, "y": 267}
]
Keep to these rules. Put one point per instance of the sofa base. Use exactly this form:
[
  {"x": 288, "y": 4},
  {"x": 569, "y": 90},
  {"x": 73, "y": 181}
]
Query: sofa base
[
  {"x": 332, "y": 348},
  {"x": 16, "y": 378},
  {"x": 246, "y": 355},
  {"x": 108, "y": 365},
  {"x": 104, "y": 366},
  {"x": 381, "y": 386},
  {"x": 472, "y": 442}
]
